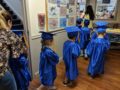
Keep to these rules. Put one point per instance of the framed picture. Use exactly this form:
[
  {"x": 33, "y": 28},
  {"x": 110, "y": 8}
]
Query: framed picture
[
  {"x": 71, "y": 21},
  {"x": 59, "y": 14},
  {"x": 53, "y": 23},
  {"x": 63, "y": 22},
  {"x": 53, "y": 11},
  {"x": 63, "y": 11},
  {"x": 41, "y": 20}
]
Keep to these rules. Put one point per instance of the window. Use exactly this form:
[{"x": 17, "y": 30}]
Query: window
[{"x": 106, "y": 9}]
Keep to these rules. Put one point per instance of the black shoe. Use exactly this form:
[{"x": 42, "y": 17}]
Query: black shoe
[{"x": 65, "y": 83}]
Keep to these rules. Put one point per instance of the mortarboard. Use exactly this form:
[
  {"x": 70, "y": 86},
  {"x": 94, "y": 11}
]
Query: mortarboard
[
  {"x": 101, "y": 24},
  {"x": 47, "y": 35},
  {"x": 86, "y": 22},
  {"x": 72, "y": 31},
  {"x": 101, "y": 30}
]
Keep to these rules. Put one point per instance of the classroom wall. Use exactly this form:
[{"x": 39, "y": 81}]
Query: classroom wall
[{"x": 34, "y": 7}]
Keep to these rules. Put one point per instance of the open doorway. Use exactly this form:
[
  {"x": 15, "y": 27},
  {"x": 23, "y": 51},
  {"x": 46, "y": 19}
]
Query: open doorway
[{"x": 19, "y": 19}]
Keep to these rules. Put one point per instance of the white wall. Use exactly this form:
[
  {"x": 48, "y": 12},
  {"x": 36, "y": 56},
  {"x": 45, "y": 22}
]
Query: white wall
[
  {"x": 34, "y": 7},
  {"x": 16, "y": 6}
]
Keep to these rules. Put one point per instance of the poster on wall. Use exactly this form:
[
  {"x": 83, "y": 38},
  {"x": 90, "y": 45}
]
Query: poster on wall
[
  {"x": 53, "y": 23},
  {"x": 72, "y": 10},
  {"x": 63, "y": 22},
  {"x": 41, "y": 21},
  {"x": 63, "y": 2},
  {"x": 61, "y": 13},
  {"x": 72, "y": 2},
  {"x": 71, "y": 21},
  {"x": 53, "y": 11}
]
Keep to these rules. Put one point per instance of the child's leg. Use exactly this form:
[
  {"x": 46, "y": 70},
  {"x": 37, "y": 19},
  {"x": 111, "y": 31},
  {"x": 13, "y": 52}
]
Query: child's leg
[
  {"x": 82, "y": 52},
  {"x": 85, "y": 54}
]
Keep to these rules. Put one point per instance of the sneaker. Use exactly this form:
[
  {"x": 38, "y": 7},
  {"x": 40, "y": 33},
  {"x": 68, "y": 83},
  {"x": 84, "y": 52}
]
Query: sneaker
[{"x": 68, "y": 84}]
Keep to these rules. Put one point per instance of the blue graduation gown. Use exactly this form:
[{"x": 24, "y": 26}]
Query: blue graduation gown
[
  {"x": 47, "y": 68},
  {"x": 84, "y": 37},
  {"x": 96, "y": 50},
  {"x": 71, "y": 52},
  {"x": 20, "y": 71},
  {"x": 94, "y": 36},
  {"x": 78, "y": 36}
]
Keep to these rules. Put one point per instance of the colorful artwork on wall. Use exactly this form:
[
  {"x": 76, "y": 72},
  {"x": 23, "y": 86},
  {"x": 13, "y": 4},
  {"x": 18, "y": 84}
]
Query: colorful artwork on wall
[
  {"x": 63, "y": 2},
  {"x": 53, "y": 23},
  {"x": 53, "y": 11},
  {"x": 63, "y": 11},
  {"x": 72, "y": 2},
  {"x": 71, "y": 21},
  {"x": 63, "y": 22},
  {"x": 60, "y": 13},
  {"x": 41, "y": 20},
  {"x": 72, "y": 10}
]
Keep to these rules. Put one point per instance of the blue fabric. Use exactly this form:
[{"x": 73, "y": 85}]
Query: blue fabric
[
  {"x": 96, "y": 51},
  {"x": 86, "y": 22},
  {"x": 47, "y": 36},
  {"x": 84, "y": 37},
  {"x": 72, "y": 29},
  {"x": 19, "y": 33},
  {"x": 101, "y": 30},
  {"x": 20, "y": 71},
  {"x": 94, "y": 36},
  {"x": 71, "y": 52},
  {"x": 8, "y": 82},
  {"x": 79, "y": 21},
  {"x": 101, "y": 23},
  {"x": 47, "y": 68}
]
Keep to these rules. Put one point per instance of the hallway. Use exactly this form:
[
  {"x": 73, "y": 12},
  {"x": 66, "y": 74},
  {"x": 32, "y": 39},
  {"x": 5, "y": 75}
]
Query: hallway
[{"x": 109, "y": 81}]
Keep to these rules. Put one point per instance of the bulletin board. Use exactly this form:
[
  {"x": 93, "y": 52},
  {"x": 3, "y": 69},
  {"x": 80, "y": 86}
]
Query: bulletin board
[{"x": 60, "y": 14}]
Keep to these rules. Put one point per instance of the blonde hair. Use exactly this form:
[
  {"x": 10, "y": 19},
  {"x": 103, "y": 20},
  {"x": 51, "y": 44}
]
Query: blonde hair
[{"x": 4, "y": 17}]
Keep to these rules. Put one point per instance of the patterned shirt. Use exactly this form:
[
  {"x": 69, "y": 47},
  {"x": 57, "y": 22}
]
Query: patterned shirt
[{"x": 8, "y": 40}]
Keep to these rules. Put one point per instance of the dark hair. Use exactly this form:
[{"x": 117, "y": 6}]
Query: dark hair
[
  {"x": 71, "y": 36},
  {"x": 89, "y": 10}
]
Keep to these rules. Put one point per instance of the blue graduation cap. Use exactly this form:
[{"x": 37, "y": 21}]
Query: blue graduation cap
[
  {"x": 101, "y": 24},
  {"x": 86, "y": 22},
  {"x": 18, "y": 32},
  {"x": 101, "y": 30},
  {"x": 47, "y": 35},
  {"x": 72, "y": 31}
]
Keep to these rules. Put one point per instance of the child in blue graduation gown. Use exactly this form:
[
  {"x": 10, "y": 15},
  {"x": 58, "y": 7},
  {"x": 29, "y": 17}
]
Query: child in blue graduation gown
[
  {"x": 20, "y": 69},
  {"x": 96, "y": 51},
  {"x": 48, "y": 61},
  {"x": 71, "y": 51},
  {"x": 100, "y": 24},
  {"x": 84, "y": 37},
  {"x": 79, "y": 25}
]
